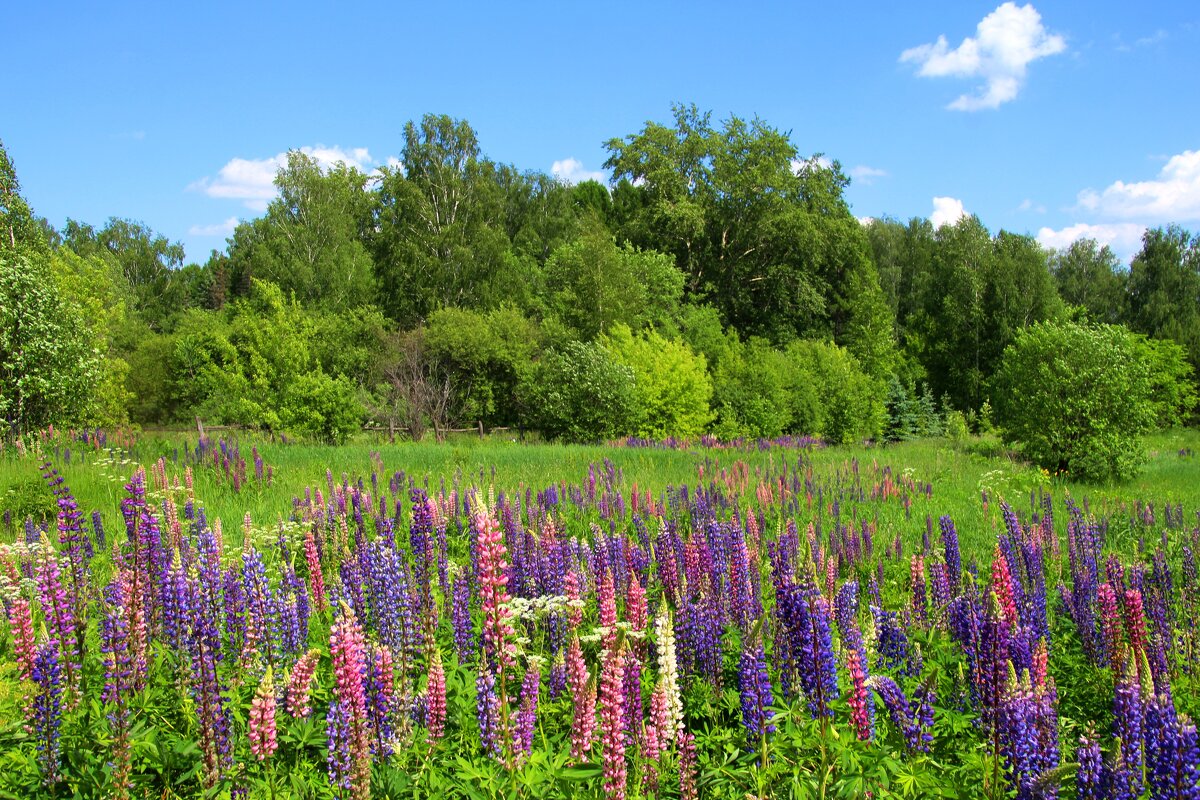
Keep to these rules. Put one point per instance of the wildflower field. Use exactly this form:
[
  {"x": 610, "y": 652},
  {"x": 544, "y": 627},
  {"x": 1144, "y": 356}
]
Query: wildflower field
[{"x": 476, "y": 619}]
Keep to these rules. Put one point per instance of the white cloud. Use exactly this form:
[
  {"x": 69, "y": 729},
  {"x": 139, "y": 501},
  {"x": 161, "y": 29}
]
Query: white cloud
[
  {"x": 865, "y": 221},
  {"x": 1006, "y": 42},
  {"x": 1029, "y": 205},
  {"x": 253, "y": 180},
  {"x": 1173, "y": 197},
  {"x": 799, "y": 165},
  {"x": 570, "y": 170},
  {"x": 218, "y": 229},
  {"x": 1125, "y": 238},
  {"x": 946, "y": 211},
  {"x": 866, "y": 175}
]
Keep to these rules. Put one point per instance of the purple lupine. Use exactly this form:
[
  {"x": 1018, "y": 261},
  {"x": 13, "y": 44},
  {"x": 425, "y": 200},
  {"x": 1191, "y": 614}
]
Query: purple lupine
[
  {"x": 1128, "y": 717},
  {"x": 951, "y": 552},
  {"x": 464, "y": 631},
  {"x": 59, "y": 614},
  {"x": 47, "y": 711},
  {"x": 1172, "y": 754},
  {"x": 527, "y": 714},
  {"x": 1091, "y": 779},
  {"x": 204, "y": 645},
  {"x": 118, "y": 678},
  {"x": 754, "y": 685},
  {"x": 488, "y": 712}
]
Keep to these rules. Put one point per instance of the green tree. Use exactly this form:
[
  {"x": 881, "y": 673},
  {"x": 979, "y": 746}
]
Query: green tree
[
  {"x": 751, "y": 391},
  {"x": 1076, "y": 398},
  {"x": 311, "y": 242},
  {"x": 849, "y": 404},
  {"x": 1164, "y": 288},
  {"x": 671, "y": 384},
  {"x": 441, "y": 238},
  {"x": 19, "y": 230},
  {"x": 1091, "y": 277},
  {"x": 592, "y": 285},
  {"x": 49, "y": 364}
]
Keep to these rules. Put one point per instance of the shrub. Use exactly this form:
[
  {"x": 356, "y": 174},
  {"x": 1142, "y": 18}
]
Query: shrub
[
  {"x": 580, "y": 393},
  {"x": 1077, "y": 398},
  {"x": 671, "y": 383}
]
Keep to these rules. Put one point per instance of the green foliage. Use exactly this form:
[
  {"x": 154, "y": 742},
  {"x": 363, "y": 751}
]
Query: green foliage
[
  {"x": 1077, "y": 398},
  {"x": 849, "y": 405},
  {"x": 29, "y": 498},
  {"x": 592, "y": 286},
  {"x": 671, "y": 383},
  {"x": 751, "y": 396},
  {"x": 1164, "y": 288},
  {"x": 1091, "y": 277},
  {"x": 581, "y": 393},
  {"x": 322, "y": 407},
  {"x": 49, "y": 365}
]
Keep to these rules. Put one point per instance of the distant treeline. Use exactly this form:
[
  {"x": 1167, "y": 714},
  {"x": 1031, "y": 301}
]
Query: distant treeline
[{"x": 721, "y": 284}]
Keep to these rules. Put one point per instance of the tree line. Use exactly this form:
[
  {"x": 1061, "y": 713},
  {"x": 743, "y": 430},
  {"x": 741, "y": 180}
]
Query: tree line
[{"x": 719, "y": 284}]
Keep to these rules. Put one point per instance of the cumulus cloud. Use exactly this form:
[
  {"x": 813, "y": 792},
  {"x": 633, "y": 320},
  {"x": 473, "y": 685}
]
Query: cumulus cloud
[
  {"x": 1125, "y": 238},
  {"x": 946, "y": 211},
  {"x": 253, "y": 180},
  {"x": 866, "y": 175},
  {"x": 217, "y": 229},
  {"x": 1007, "y": 41},
  {"x": 570, "y": 170},
  {"x": 799, "y": 165},
  {"x": 1173, "y": 197},
  {"x": 1029, "y": 205}
]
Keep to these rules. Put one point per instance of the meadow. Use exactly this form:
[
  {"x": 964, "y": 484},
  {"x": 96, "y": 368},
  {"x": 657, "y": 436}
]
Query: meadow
[{"x": 490, "y": 618}]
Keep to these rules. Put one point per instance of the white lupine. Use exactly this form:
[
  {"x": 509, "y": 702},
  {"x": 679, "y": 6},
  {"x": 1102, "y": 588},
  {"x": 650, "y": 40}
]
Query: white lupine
[{"x": 668, "y": 669}]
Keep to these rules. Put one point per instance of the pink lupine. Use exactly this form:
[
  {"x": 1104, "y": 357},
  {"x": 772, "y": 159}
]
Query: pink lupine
[
  {"x": 348, "y": 649},
  {"x": 583, "y": 702},
  {"x": 1003, "y": 587},
  {"x": 262, "y": 719},
  {"x": 612, "y": 728},
  {"x": 575, "y": 596},
  {"x": 493, "y": 589},
  {"x": 658, "y": 730},
  {"x": 1135, "y": 625},
  {"x": 299, "y": 691},
  {"x": 688, "y": 790},
  {"x": 607, "y": 609},
  {"x": 316, "y": 580},
  {"x": 859, "y": 695},
  {"x": 20, "y": 617},
  {"x": 435, "y": 715},
  {"x": 635, "y": 605}
]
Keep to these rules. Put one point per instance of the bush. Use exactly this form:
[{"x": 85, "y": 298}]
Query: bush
[
  {"x": 671, "y": 383},
  {"x": 322, "y": 407},
  {"x": 849, "y": 404},
  {"x": 580, "y": 393},
  {"x": 1077, "y": 398}
]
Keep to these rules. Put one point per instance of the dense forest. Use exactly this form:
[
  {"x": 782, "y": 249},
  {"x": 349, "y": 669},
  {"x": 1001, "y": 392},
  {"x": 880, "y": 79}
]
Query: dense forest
[{"x": 720, "y": 284}]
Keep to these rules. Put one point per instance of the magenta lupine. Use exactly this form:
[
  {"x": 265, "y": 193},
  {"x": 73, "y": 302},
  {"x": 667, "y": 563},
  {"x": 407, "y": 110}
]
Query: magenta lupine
[
  {"x": 1003, "y": 587},
  {"x": 606, "y": 605},
  {"x": 575, "y": 603},
  {"x": 859, "y": 696},
  {"x": 1135, "y": 627},
  {"x": 300, "y": 685},
  {"x": 612, "y": 733},
  {"x": 1110, "y": 626},
  {"x": 58, "y": 613},
  {"x": 348, "y": 649},
  {"x": 919, "y": 601},
  {"x": 583, "y": 702},
  {"x": 316, "y": 579},
  {"x": 263, "y": 743},
  {"x": 435, "y": 712},
  {"x": 659, "y": 732}
]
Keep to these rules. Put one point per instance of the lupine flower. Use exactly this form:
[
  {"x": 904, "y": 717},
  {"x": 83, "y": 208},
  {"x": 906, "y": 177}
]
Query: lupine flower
[
  {"x": 583, "y": 701},
  {"x": 1128, "y": 716},
  {"x": 493, "y": 590},
  {"x": 755, "y": 686},
  {"x": 47, "y": 711},
  {"x": 951, "y": 552},
  {"x": 316, "y": 579},
  {"x": 349, "y": 731},
  {"x": 1089, "y": 781},
  {"x": 262, "y": 719},
  {"x": 688, "y": 789},
  {"x": 919, "y": 601},
  {"x": 488, "y": 711},
  {"x": 380, "y": 687},
  {"x": 1110, "y": 625},
  {"x": 464, "y": 631},
  {"x": 1172, "y": 753},
  {"x": 527, "y": 715},
  {"x": 299, "y": 690},
  {"x": 435, "y": 715},
  {"x": 20, "y": 620},
  {"x": 668, "y": 671},
  {"x": 118, "y": 677},
  {"x": 861, "y": 707},
  {"x": 58, "y": 613},
  {"x": 612, "y": 734}
]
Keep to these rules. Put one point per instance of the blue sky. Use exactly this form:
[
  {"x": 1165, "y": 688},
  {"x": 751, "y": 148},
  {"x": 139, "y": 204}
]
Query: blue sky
[{"x": 1057, "y": 119}]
